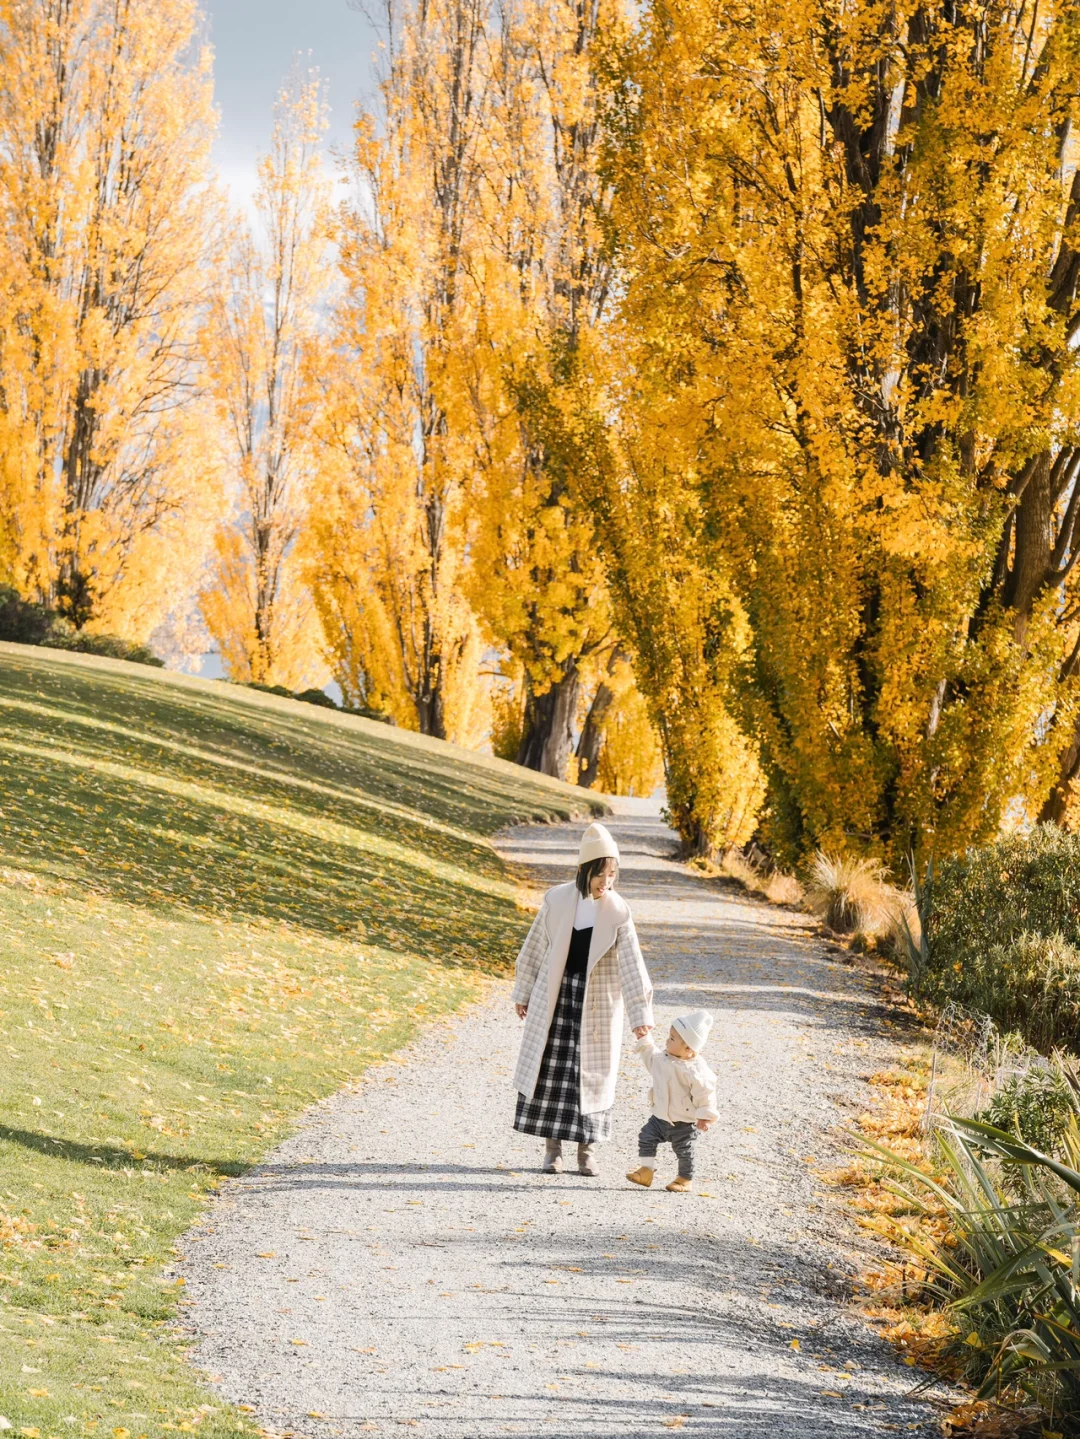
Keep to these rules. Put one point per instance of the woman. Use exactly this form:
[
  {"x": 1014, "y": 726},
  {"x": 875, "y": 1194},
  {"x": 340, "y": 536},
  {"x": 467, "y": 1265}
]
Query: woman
[{"x": 579, "y": 964}]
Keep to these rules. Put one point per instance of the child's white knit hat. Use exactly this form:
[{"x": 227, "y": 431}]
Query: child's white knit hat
[
  {"x": 597, "y": 843},
  {"x": 694, "y": 1028}
]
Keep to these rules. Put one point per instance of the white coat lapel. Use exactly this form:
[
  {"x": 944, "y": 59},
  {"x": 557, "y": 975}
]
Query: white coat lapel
[
  {"x": 562, "y": 905},
  {"x": 611, "y": 912}
]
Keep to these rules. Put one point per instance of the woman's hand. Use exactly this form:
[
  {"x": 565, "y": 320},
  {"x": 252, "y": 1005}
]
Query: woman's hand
[
  {"x": 521, "y": 1010},
  {"x": 642, "y": 1030}
]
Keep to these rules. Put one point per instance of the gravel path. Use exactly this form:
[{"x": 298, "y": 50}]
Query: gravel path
[{"x": 402, "y": 1263}]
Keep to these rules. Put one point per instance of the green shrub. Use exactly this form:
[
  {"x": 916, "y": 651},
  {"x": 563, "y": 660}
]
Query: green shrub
[
  {"x": 1003, "y": 935},
  {"x": 270, "y": 689},
  {"x": 316, "y": 697},
  {"x": 25, "y": 622},
  {"x": 1025, "y": 884},
  {"x": 1036, "y": 1106},
  {"x": 21, "y": 621},
  {"x": 1030, "y": 986},
  {"x": 308, "y": 697},
  {"x": 111, "y": 646}
]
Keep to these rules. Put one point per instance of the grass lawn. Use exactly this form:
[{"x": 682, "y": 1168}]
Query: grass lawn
[{"x": 216, "y": 907}]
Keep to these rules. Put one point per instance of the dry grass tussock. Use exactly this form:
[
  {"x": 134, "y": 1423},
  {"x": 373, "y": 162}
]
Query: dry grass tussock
[
  {"x": 774, "y": 885},
  {"x": 854, "y": 896}
]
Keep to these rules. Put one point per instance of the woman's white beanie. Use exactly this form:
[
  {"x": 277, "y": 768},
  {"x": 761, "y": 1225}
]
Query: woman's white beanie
[
  {"x": 597, "y": 843},
  {"x": 694, "y": 1028}
]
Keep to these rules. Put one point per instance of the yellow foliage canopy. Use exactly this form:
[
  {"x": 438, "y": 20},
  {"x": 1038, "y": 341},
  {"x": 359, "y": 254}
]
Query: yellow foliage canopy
[
  {"x": 107, "y": 230},
  {"x": 387, "y": 544},
  {"x": 259, "y": 340},
  {"x": 851, "y": 246}
]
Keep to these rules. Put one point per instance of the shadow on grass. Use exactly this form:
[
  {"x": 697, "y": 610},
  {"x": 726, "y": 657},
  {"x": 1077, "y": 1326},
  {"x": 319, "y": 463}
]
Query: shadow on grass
[
  {"x": 449, "y": 786},
  {"x": 109, "y": 1157},
  {"x": 377, "y": 872}
]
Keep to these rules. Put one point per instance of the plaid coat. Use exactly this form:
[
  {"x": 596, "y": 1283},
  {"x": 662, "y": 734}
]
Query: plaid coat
[{"x": 616, "y": 976}]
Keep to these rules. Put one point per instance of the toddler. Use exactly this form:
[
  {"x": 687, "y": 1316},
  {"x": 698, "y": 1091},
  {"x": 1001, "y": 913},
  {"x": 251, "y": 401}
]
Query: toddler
[{"x": 683, "y": 1098}]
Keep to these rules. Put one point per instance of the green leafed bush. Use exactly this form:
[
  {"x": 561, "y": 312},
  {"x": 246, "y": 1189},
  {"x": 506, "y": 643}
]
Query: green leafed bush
[
  {"x": 25, "y": 622},
  {"x": 1003, "y": 930},
  {"x": 1036, "y": 1105},
  {"x": 22, "y": 621},
  {"x": 111, "y": 646},
  {"x": 1026, "y": 883},
  {"x": 316, "y": 697},
  {"x": 1029, "y": 985}
]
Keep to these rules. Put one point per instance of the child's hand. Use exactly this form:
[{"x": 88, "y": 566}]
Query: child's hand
[
  {"x": 704, "y": 1123},
  {"x": 521, "y": 1010},
  {"x": 642, "y": 1030}
]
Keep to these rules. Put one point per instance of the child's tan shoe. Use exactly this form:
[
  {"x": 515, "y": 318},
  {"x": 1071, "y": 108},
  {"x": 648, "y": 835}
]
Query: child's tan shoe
[
  {"x": 641, "y": 1176},
  {"x": 680, "y": 1185}
]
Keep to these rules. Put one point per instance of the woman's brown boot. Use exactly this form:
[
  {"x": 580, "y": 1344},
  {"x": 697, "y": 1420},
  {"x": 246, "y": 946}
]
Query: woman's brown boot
[
  {"x": 552, "y": 1156},
  {"x": 586, "y": 1160}
]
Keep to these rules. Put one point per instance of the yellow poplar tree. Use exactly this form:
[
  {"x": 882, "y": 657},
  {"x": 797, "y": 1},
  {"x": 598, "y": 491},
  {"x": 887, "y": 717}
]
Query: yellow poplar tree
[
  {"x": 259, "y": 339},
  {"x": 537, "y": 574},
  {"x": 688, "y": 632},
  {"x": 851, "y": 241},
  {"x": 387, "y": 544},
  {"x": 107, "y": 226},
  {"x": 618, "y": 751}
]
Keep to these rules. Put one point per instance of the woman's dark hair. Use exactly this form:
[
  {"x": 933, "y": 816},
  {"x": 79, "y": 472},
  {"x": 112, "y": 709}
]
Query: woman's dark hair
[{"x": 588, "y": 871}]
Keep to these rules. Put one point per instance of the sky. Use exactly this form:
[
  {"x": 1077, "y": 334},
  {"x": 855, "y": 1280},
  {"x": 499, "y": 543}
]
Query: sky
[{"x": 255, "y": 44}]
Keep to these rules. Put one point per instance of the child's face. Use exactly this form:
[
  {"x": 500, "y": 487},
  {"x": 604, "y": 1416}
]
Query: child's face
[{"x": 677, "y": 1047}]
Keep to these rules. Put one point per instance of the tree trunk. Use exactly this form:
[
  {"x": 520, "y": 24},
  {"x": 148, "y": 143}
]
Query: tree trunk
[
  {"x": 592, "y": 735},
  {"x": 548, "y": 735},
  {"x": 695, "y": 842},
  {"x": 1057, "y": 802},
  {"x": 431, "y": 710},
  {"x": 1033, "y": 545},
  {"x": 75, "y": 594}
]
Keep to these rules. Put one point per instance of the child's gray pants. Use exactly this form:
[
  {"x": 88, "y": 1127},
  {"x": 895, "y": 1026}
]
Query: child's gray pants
[{"x": 680, "y": 1136}]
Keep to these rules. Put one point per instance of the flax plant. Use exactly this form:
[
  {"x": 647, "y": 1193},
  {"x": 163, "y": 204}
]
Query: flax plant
[{"x": 1009, "y": 1266}]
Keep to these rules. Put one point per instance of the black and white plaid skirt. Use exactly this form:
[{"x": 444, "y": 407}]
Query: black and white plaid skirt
[{"x": 554, "y": 1112}]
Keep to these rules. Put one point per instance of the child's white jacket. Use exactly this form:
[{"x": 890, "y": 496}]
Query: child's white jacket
[{"x": 683, "y": 1090}]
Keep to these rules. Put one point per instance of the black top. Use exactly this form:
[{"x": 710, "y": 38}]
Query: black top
[{"x": 578, "y": 958}]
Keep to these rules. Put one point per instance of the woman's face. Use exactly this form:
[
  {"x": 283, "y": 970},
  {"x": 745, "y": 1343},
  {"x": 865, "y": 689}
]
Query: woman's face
[{"x": 602, "y": 882}]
